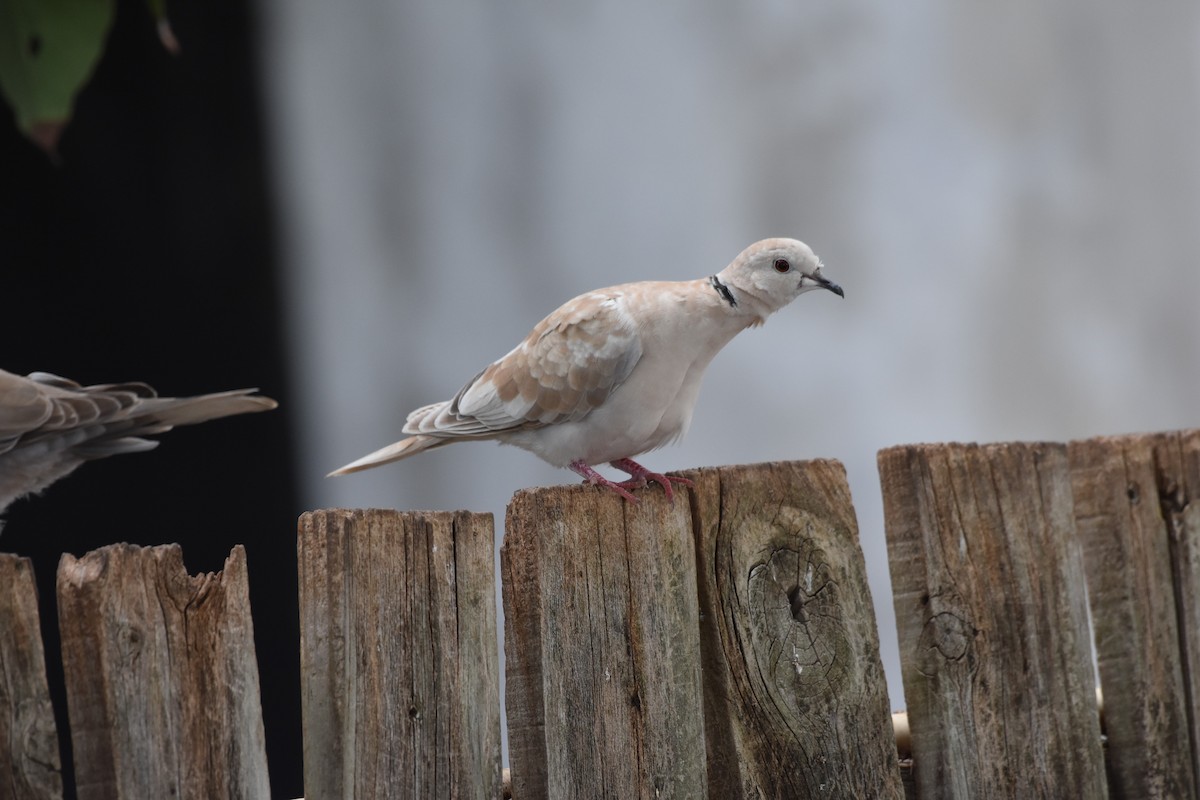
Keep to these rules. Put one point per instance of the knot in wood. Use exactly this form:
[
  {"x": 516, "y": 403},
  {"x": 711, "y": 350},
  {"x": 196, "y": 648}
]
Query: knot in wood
[
  {"x": 130, "y": 641},
  {"x": 797, "y": 626},
  {"x": 35, "y": 736},
  {"x": 946, "y": 637}
]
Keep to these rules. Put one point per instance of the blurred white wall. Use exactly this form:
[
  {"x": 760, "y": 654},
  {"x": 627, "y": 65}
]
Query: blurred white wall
[{"x": 1010, "y": 196}]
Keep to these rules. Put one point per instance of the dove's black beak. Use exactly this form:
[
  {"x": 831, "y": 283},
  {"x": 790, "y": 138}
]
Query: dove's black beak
[{"x": 825, "y": 283}]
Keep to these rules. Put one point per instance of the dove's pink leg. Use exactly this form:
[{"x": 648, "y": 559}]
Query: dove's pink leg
[
  {"x": 639, "y": 475},
  {"x": 590, "y": 476}
]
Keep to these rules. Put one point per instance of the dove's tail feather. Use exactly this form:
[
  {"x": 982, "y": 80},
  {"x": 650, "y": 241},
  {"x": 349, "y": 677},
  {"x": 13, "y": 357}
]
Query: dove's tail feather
[
  {"x": 192, "y": 410},
  {"x": 155, "y": 415},
  {"x": 393, "y": 452}
]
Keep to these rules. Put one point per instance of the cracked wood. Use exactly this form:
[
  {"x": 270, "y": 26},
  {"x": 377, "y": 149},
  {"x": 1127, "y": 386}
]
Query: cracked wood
[
  {"x": 162, "y": 682},
  {"x": 399, "y": 665},
  {"x": 30, "y": 768},
  {"x": 1137, "y": 501},
  {"x": 723, "y": 646},
  {"x": 601, "y": 646},
  {"x": 795, "y": 698},
  {"x": 988, "y": 586}
]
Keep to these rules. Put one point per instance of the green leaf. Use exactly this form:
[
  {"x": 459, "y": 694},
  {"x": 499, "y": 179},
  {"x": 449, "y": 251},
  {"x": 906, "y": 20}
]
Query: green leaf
[{"x": 48, "y": 50}]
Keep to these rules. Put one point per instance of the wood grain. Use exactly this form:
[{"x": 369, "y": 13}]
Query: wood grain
[
  {"x": 989, "y": 591},
  {"x": 162, "y": 682},
  {"x": 1136, "y": 504},
  {"x": 795, "y": 698},
  {"x": 30, "y": 768},
  {"x": 601, "y": 646},
  {"x": 400, "y": 671}
]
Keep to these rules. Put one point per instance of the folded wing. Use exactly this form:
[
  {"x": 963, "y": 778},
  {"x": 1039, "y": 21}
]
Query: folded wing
[{"x": 566, "y": 367}]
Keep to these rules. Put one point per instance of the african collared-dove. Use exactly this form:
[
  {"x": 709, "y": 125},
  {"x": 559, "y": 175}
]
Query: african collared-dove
[
  {"x": 50, "y": 425},
  {"x": 614, "y": 372}
]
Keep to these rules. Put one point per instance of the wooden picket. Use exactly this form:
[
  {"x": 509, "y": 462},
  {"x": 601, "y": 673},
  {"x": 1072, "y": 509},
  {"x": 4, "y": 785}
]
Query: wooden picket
[
  {"x": 162, "y": 680},
  {"x": 988, "y": 584},
  {"x": 1137, "y": 505},
  {"x": 399, "y": 674},
  {"x": 29, "y": 759}
]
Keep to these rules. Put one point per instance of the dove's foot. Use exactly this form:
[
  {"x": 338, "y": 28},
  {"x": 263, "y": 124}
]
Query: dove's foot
[
  {"x": 639, "y": 475},
  {"x": 593, "y": 478}
]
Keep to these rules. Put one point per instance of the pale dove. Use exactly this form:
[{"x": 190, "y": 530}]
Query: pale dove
[
  {"x": 614, "y": 372},
  {"x": 50, "y": 425}
]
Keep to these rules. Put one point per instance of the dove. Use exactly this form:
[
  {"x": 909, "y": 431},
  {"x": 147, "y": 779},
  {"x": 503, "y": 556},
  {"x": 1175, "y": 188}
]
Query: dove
[
  {"x": 50, "y": 425},
  {"x": 616, "y": 372}
]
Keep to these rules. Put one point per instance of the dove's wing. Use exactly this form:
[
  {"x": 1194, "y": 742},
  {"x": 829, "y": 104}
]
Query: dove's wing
[
  {"x": 567, "y": 366},
  {"x": 23, "y": 408},
  {"x": 43, "y": 404}
]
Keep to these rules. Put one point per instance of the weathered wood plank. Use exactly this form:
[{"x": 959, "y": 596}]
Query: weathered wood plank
[
  {"x": 602, "y": 647},
  {"x": 162, "y": 682},
  {"x": 30, "y": 768},
  {"x": 795, "y": 698},
  {"x": 1135, "y": 505},
  {"x": 629, "y": 678},
  {"x": 400, "y": 672},
  {"x": 988, "y": 585},
  {"x": 1186, "y": 560}
]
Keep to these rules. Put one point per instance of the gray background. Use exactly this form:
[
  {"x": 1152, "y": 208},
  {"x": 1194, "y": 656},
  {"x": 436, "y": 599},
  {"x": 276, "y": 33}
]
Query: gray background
[{"x": 1009, "y": 195}]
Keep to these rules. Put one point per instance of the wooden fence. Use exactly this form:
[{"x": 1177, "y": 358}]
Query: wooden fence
[{"x": 722, "y": 647}]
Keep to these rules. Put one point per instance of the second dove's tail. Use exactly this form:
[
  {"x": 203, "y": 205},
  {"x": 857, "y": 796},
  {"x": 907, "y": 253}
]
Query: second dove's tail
[{"x": 393, "y": 452}]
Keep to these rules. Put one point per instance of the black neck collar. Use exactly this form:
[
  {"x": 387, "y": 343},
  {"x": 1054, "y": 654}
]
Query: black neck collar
[{"x": 724, "y": 291}]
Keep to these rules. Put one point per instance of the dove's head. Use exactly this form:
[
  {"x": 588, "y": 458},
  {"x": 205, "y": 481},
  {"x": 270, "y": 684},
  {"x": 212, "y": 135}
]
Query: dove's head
[{"x": 774, "y": 272}]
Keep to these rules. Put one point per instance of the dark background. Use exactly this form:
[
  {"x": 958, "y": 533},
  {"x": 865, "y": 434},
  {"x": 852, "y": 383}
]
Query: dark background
[{"x": 147, "y": 254}]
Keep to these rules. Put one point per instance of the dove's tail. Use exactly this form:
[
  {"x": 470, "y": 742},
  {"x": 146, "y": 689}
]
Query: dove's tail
[
  {"x": 393, "y": 452},
  {"x": 154, "y": 415}
]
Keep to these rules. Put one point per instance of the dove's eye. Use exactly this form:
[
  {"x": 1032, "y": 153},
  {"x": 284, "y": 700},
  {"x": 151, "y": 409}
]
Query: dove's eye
[{"x": 782, "y": 265}]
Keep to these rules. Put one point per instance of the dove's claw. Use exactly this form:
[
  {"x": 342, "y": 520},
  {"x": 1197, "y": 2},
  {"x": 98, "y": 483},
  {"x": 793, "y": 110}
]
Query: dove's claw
[
  {"x": 639, "y": 475},
  {"x": 593, "y": 478}
]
